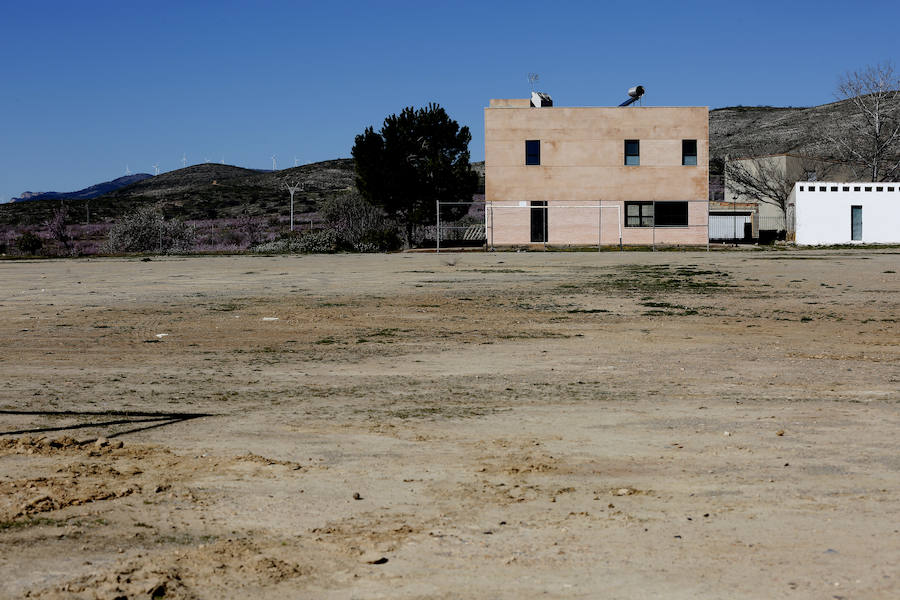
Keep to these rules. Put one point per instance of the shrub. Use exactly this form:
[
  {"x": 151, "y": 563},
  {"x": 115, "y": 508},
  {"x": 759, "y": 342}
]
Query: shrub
[
  {"x": 29, "y": 243},
  {"x": 359, "y": 225},
  {"x": 313, "y": 242},
  {"x": 146, "y": 230}
]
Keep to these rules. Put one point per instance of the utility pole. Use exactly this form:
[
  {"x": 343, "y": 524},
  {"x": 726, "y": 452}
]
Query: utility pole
[{"x": 292, "y": 188}]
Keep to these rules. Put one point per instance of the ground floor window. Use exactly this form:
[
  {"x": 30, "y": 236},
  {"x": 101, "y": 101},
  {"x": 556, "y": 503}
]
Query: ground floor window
[
  {"x": 639, "y": 214},
  {"x": 656, "y": 214}
]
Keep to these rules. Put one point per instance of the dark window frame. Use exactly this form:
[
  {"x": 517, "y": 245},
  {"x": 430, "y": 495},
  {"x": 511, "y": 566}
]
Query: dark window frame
[
  {"x": 644, "y": 217},
  {"x": 635, "y": 156},
  {"x": 687, "y": 155},
  {"x": 532, "y": 152}
]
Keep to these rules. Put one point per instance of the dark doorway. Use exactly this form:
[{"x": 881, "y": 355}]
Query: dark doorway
[{"x": 539, "y": 221}]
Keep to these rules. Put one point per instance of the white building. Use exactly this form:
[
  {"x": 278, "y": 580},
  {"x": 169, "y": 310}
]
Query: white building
[{"x": 845, "y": 213}]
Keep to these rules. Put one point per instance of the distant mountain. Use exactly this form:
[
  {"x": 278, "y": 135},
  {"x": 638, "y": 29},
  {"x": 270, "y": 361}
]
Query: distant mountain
[
  {"x": 205, "y": 191},
  {"x": 94, "y": 191}
]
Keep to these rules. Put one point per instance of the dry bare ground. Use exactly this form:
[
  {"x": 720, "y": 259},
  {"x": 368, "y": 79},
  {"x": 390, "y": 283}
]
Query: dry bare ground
[{"x": 615, "y": 425}]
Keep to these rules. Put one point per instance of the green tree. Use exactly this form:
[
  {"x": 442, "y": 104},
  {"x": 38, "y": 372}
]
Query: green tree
[{"x": 418, "y": 157}]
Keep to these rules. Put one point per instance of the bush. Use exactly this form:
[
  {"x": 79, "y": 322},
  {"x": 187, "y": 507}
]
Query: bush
[
  {"x": 313, "y": 242},
  {"x": 360, "y": 226},
  {"x": 146, "y": 230},
  {"x": 29, "y": 243}
]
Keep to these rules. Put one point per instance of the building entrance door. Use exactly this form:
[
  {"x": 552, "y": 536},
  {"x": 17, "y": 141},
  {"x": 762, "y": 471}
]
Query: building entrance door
[
  {"x": 539, "y": 222},
  {"x": 856, "y": 223}
]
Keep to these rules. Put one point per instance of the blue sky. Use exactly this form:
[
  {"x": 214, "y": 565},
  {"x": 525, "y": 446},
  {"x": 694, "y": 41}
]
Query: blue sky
[{"x": 89, "y": 87}]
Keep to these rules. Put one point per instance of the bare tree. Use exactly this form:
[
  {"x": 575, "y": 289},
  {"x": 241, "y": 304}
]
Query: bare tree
[
  {"x": 872, "y": 141},
  {"x": 58, "y": 226},
  {"x": 769, "y": 180}
]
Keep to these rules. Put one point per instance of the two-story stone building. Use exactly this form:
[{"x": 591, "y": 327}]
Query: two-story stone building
[{"x": 595, "y": 175}]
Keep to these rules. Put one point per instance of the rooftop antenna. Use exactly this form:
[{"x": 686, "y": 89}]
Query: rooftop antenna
[
  {"x": 156, "y": 167},
  {"x": 532, "y": 77},
  {"x": 274, "y": 168},
  {"x": 183, "y": 160}
]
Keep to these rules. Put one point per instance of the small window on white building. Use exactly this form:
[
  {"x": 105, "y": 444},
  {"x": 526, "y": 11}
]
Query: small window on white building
[
  {"x": 856, "y": 188},
  {"x": 846, "y": 188},
  {"x": 879, "y": 189},
  {"x": 834, "y": 188},
  {"x": 868, "y": 188}
]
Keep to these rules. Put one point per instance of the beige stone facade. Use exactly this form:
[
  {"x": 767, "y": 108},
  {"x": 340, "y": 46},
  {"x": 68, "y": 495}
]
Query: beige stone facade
[{"x": 592, "y": 196}]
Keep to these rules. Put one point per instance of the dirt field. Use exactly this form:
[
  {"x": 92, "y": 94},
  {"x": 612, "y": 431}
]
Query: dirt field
[{"x": 615, "y": 425}]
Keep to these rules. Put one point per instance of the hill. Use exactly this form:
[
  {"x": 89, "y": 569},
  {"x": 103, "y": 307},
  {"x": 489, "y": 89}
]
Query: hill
[
  {"x": 743, "y": 130},
  {"x": 206, "y": 191},
  {"x": 89, "y": 192}
]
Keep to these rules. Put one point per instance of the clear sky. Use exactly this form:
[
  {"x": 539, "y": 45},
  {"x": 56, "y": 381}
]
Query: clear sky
[{"x": 89, "y": 87}]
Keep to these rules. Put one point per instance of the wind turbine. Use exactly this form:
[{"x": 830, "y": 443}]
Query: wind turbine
[
  {"x": 295, "y": 161},
  {"x": 156, "y": 167},
  {"x": 183, "y": 160},
  {"x": 223, "y": 159},
  {"x": 273, "y": 163},
  {"x": 127, "y": 170}
]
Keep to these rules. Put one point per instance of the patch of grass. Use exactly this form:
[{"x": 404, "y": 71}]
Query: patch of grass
[
  {"x": 389, "y": 332},
  {"x": 31, "y": 522},
  {"x": 226, "y": 307},
  {"x": 648, "y": 280}
]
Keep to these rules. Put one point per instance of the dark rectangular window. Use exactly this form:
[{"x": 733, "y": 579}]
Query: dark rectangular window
[
  {"x": 638, "y": 214},
  {"x": 689, "y": 153},
  {"x": 834, "y": 188},
  {"x": 532, "y": 152},
  {"x": 656, "y": 214},
  {"x": 671, "y": 214},
  {"x": 846, "y": 188},
  {"x": 632, "y": 152},
  {"x": 539, "y": 221}
]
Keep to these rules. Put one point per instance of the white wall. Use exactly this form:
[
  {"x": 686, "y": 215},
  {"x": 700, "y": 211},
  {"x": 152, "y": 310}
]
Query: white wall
[{"x": 823, "y": 217}]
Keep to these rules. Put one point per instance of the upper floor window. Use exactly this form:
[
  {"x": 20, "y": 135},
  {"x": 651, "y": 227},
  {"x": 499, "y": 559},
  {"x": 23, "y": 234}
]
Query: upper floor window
[
  {"x": 632, "y": 152},
  {"x": 689, "y": 152},
  {"x": 532, "y": 152}
]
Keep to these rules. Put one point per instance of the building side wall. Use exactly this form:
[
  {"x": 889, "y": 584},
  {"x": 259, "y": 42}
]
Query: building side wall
[
  {"x": 582, "y": 162},
  {"x": 824, "y": 217}
]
